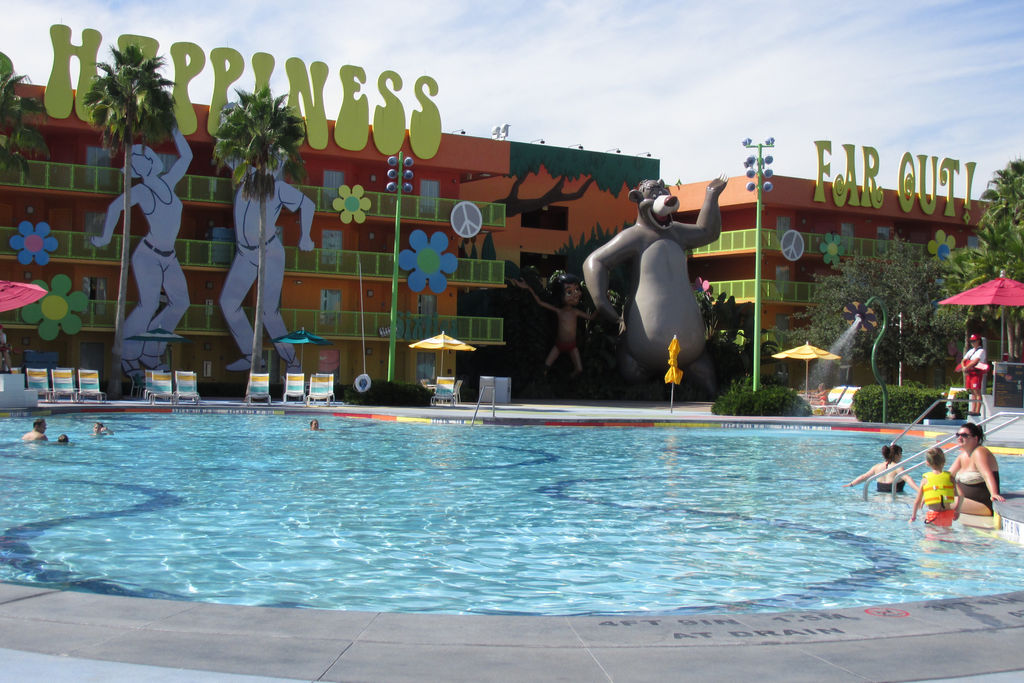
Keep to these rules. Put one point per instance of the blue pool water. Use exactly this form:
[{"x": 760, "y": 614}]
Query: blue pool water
[{"x": 382, "y": 516}]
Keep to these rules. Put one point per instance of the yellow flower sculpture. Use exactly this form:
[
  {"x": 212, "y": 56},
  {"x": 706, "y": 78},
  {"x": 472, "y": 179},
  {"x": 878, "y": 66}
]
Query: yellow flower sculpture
[
  {"x": 351, "y": 204},
  {"x": 942, "y": 246}
]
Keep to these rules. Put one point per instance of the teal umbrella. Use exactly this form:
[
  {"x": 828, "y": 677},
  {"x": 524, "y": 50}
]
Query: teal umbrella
[{"x": 300, "y": 336}]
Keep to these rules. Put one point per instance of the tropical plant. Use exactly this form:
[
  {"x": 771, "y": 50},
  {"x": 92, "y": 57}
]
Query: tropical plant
[
  {"x": 129, "y": 101},
  {"x": 16, "y": 136},
  {"x": 909, "y": 286},
  {"x": 1000, "y": 251},
  {"x": 259, "y": 137}
]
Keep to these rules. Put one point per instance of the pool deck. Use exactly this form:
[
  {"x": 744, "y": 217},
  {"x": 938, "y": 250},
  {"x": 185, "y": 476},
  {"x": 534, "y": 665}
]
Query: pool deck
[{"x": 68, "y": 636}]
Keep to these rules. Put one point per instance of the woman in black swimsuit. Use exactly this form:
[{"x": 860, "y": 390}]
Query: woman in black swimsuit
[
  {"x": 891, "y": 455},
  {"x": 976, "y": 471}
]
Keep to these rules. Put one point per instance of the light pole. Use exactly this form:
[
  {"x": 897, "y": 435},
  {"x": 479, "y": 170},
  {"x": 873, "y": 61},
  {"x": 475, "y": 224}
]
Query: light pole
[
  {"x": 757, "y": 167},
  {"x": 400, "y": 166}
]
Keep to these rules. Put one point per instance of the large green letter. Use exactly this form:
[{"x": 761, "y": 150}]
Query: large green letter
[
  {"x": 227, "y": 67},
  {"x": 873, "y": 194},
  {"x": 312, "y": 98},
  {"x": 58, "y": 97},
  {"x": 352, "y": 129},
  {"x": 907, "y": 181},
  {"x": 389, "y": 119},
  {"x": 823, "y": 147},
  {"x": 928, "y": 205},
  {"x": 189, "y": 60},
  {"x": 425, "y": 124},
  {"x": 947, "y": 173}
]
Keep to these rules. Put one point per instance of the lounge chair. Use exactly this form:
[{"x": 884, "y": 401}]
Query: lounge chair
[
  {"x": 455, "y": 391},
  {"x": 89, "y": 386},
  {"x": 185, "y": 386},
  {"x": 158, "y": 385},
  {"x": 259, "y": 387},
  {"x": 321, "y": 388},
  {"x": 444, "y": 392},
  {"x": 39, "y": 379},
  {"x": 63, "y": 384},
  {"x": 843, "y": 406},
  {"x": 138, "y": 379},
  {"x": 294, "y": 386}
]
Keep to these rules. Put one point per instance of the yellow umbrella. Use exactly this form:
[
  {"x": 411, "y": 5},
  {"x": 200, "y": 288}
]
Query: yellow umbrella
[
  {"x": 674, "y": 374},
  {"x": 807, "y": 353},
  {"x": 442, "y": 342}
]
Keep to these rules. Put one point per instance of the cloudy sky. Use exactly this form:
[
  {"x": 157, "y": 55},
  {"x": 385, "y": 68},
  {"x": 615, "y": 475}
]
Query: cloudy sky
[{"x": 684, "y": 81}]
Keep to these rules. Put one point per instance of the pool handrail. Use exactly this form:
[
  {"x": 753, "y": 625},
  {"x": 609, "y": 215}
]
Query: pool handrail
[{"x": 1011, "y": 418}]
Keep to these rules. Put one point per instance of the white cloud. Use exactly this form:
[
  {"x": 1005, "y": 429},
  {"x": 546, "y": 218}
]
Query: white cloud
[{"x": 683, "y": 81}]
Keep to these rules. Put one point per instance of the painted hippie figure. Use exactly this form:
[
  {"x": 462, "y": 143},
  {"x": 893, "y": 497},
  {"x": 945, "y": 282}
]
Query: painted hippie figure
[
  {"x": 243, "y": 272},
  {"x": 154, "y": 262},
  {"x": 568, "y": 291}
]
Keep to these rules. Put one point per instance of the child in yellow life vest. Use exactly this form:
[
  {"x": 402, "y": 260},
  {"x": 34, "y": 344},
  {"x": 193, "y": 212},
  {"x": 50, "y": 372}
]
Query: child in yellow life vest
[{"x": 938, "y": 491}]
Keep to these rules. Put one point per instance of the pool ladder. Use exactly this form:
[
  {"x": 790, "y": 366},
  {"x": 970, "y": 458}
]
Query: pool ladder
[{"x": 918, "y": 458}]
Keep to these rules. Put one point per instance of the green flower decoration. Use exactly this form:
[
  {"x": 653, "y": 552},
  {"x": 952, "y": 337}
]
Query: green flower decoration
[
  {"x": 831, "y": 247},
  {"x": 351, "y": 204},
  {"x": 942, "y": 246},
  {"x": 55, "y": 311}
]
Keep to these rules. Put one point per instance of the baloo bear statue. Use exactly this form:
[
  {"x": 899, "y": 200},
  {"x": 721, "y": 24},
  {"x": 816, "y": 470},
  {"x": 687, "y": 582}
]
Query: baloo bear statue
[{"x": 660, "y": 301}]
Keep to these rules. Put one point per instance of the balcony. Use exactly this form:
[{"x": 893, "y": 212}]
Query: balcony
[
  {"x": 778, "y": 291},
  {"x": 201, "y": 319},
  {"x": 743, "y": 241},
  {"x": 48, "y": 175},
  {"x": 218, "y": 255}
]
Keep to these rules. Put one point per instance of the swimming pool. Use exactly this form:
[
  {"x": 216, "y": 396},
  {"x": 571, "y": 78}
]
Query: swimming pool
[{"x": 384, "y": 516}]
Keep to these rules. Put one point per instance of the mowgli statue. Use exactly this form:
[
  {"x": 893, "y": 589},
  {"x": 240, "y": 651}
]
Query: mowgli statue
[{"x": 660, "y": 300}]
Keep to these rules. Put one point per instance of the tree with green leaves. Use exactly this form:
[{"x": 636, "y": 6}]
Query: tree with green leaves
[
  {"x": 1000, "y": 251},
  {"x": 17, "y": 137},
  {"x": 909, "y": 285},
  {"x": 129, "y": 101},
  {"x": 259, "y": 138}
]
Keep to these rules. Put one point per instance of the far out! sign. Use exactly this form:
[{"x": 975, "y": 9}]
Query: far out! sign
[{"x": 918, "y": 182}]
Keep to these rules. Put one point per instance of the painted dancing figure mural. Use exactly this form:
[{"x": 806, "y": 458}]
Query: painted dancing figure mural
[
  {"x": 246, "y": 264},
  {"x": 660, "y": 295},
  {"x": 154, "y": 262}
]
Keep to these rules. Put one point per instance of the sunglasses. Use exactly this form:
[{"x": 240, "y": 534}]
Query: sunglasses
[{"x": 963, "y": 435}]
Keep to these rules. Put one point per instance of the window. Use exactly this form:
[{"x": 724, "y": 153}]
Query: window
[
  {"x": 782, "y": 281},
  {"x": 782, "y": 224},
  {"x": 546, "y": 218},
  {"x": 430, "y": 190},
  {"x": 332, "y": 181},
  {"x": 846, "y": 232},
  {"x": 330, "y": 307},
  {"x": 972, "y": 241},
  {"x": 207, "y": 368},
  {"x": 95, "y": 288},
  {"x": 97, "y": 156},
  {"x": 883, "y": 232},
  {"x": 94, "y": 221},
  {"x": 426, "y": 304},
  {"x": 330, "y": 246},
  {"x": 781, "y": 322},
  {"x": 425, "y": 368}
]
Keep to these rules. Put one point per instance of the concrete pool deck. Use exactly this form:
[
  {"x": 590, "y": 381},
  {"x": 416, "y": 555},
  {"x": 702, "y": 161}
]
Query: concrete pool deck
[{"x": 69, "y": 636}]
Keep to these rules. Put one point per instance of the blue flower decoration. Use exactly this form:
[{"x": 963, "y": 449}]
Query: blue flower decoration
[
  {"x": 427, "y": 261},
  {"x": 33, "y": 242}
]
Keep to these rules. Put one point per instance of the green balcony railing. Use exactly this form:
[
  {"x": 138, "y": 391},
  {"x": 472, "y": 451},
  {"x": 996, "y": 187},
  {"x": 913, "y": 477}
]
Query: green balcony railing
[
  {"x": 743, "y": 240},
  {"x": 781, "y": 291},
  {"x": 214, "y": 254},
  {"x": 206, "y": 320},
  {"x": 50, "y": 175}
]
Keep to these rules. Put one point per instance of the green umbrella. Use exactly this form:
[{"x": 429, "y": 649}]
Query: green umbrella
[{"x": 300, "y": 336}]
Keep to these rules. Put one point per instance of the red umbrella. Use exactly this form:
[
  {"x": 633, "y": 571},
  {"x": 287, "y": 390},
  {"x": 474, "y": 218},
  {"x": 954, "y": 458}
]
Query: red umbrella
[
  {"x": 999, "y": 292},
  {"x": 17, "y": 294}
]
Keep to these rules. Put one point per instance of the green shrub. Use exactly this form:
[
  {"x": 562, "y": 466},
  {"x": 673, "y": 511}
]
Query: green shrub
[
  {"x": 905, "y": 403},
  {"x": 770, "y": 400},
  {"x": 389, "y": 394}
]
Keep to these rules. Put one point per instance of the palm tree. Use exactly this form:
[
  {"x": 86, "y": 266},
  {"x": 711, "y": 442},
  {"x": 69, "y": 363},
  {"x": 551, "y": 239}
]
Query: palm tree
[
  {"x": 259, "y": 137},
  {"x": 16, "y": 136},
  {"x": 130, "y": 101}
]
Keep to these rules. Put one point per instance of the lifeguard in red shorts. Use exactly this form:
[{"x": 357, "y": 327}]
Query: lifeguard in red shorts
[{"x": 974, "y": 365}]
